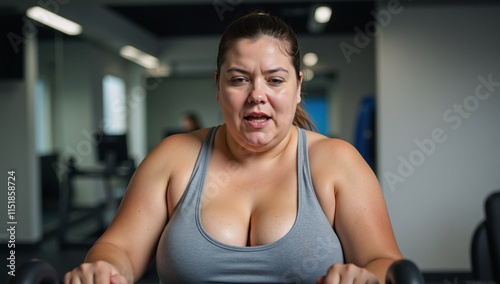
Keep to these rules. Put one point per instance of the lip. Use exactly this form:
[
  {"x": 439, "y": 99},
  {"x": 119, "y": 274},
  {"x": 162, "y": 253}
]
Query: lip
[
  {"x": 257, "y": 124},
  {"x": 257, "y": 114}
]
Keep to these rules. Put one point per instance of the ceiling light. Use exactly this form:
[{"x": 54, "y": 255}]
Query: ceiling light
[
  {"x": 139, "y": 57},
  {"x": 310, "y": 59},
  {"x": 308, "y": 74},
  {"x": 160, "y": 71},
  {"x": 54, "y": 21},
  {"x": 322, "y": 14}
]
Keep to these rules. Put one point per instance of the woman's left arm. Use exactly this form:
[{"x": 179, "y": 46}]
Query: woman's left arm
[{"x": 360, "y": 219}]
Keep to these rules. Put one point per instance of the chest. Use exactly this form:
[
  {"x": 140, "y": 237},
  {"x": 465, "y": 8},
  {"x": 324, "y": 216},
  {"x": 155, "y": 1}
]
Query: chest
[{"x": 244, "y": 207}]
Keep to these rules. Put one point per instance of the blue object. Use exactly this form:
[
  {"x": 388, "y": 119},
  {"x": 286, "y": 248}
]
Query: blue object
[
  {"x": 364, "y": 136},
  {"x": 317, "y": 109}
]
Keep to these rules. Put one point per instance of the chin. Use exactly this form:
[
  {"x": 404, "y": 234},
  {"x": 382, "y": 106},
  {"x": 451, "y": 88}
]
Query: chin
[{"x": 258, "y": 139}]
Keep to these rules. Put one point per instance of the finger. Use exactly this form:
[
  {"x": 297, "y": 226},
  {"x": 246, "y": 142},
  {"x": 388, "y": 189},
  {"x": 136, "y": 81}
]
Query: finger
[
  {"x": 84, "y": 274},
  {"x": 371, "y": 278},
  {"x": 332, "y": 278},
  {"x": 72, "y": 277},
  {"x": 363, "y": 276},
  {"x": 101, "y": 277},
  {"x": 351, "y": 273},
  {"x": 347, "y": 274},
  {"x": 100, "y": 272},
  {"x": 67, "y": 278},
  {"x": 333, "y": 274},
  {"x": 89, "y": 278},
  {"x": 118, "y": 279}
]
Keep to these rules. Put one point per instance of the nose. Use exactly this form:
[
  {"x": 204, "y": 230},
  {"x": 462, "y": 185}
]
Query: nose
[{"x": 257, "y": 94}]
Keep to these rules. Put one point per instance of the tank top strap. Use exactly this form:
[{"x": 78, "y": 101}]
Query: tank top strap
[
  {"x": 303, "y": 170},
  {"x": 195, "y": 184},
  {"x": 301, "y": 150},
  {"x": 307, "y": 194}
]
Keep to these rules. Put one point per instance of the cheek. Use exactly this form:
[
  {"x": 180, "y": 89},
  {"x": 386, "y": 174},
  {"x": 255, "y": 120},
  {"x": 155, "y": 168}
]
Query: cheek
[
  {"x": 285, "y": 106},
  {"x": 229, "y": 100},
  {"x": 286, "y": 101}
]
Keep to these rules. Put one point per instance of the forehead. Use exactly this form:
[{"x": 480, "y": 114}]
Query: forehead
[{"x": 264, "y": 46}]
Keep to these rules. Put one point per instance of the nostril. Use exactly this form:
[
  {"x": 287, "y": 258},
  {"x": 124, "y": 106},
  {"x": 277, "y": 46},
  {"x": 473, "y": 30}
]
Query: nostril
[{"x": 257, "y": 97}]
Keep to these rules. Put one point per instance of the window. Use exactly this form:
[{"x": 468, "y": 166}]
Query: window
[
  {"x": 114, "y": 105},
  {"x": 43, "y": 119}
]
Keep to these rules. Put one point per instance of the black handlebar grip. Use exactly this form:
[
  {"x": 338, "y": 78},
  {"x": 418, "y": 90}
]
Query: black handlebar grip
[
  {"x": 35, "y": 272},
  {"x": 404, "y": 271}
]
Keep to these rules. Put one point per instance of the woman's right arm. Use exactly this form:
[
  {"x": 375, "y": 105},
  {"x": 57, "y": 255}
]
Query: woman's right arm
[{"x": 124, "y": 251}]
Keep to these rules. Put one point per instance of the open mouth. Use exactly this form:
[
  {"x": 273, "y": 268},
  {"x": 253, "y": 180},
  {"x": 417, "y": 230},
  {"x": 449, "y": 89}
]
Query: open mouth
[{"x": 257, "y": 118}]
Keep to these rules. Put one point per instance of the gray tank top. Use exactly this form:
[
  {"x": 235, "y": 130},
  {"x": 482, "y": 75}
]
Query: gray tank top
[{"x": 187, "y": 254}]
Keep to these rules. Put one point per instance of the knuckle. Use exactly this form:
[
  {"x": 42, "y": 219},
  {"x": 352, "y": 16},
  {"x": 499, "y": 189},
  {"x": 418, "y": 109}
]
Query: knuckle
[
  {"x": 333, "y": 267},
  {"x": 351, "y": 267},
  {"x": 99, "y": 264},
  {"x": 83, "y": 267}
]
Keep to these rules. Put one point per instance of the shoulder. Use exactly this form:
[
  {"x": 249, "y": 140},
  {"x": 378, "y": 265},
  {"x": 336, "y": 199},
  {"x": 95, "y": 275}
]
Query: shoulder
[
  {"x": 184, "y": 140},
  {"x": 175, "y": 149},
  {"x": 335, "y": 161},
  {"x": 320, "y": 146}
]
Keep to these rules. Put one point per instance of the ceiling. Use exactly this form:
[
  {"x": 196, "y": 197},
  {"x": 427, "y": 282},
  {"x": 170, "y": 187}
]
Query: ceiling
[
  {"x": 211, "y": 18},
  {"x": 175, "y": 18},
  {"x": 166, "y": 18}
]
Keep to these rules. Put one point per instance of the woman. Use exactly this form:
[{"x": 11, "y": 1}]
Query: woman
[
  {"x": 190, "y": 122},
  {"x": 257, "y": 199}
]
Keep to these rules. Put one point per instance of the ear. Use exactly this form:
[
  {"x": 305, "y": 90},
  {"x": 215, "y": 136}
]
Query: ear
[
  {"x": 217, "y": 88},
  {"x": 299, "y": 87}
]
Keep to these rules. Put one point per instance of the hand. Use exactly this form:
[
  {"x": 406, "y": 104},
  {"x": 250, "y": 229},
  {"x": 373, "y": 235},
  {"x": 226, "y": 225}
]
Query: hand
[
  {"x": 95, "y": 272},
  {"x": 347, "y": 274}
]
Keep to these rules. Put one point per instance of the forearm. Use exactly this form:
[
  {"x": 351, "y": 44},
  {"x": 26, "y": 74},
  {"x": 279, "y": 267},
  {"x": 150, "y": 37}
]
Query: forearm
[
  {"x": 115, "y": 256},
  {"x": 379, "y": 267}
]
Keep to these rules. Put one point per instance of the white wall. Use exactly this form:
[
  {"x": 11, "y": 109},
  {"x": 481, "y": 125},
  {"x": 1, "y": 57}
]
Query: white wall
[
  {"x": 17, "y": 152},
  {"x": 429, "y": 63}
]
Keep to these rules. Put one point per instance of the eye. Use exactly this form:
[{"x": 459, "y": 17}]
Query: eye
[
  {"x": 276, "y": 81},
  {"x": 238, "y": 80}
]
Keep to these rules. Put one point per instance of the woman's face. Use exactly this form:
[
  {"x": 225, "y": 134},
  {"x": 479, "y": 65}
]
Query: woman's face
[{"x": 258, "y": 92}]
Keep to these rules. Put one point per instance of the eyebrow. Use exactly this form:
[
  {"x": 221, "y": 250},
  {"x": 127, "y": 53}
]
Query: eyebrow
[{"x": 243, "y": 71}]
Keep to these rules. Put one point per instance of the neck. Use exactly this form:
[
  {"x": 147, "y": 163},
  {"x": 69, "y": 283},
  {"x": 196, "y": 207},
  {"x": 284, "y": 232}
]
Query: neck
[{"x": 243, "y": 153}]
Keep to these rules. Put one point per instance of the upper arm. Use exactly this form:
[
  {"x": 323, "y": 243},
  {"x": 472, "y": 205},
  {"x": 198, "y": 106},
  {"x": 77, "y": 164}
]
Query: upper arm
[
  {"x": 142, "y": 214},
  {"x": 361, "y": 219}
]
